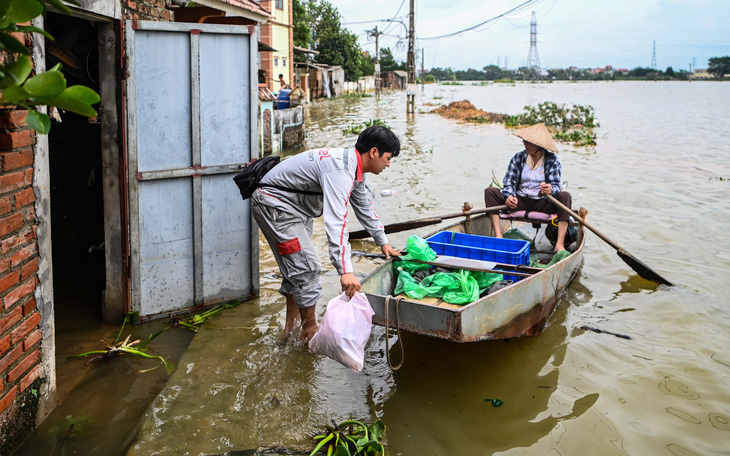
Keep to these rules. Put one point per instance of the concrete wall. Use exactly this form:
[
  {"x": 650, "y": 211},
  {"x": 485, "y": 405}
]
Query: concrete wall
[{"x": 288, "y": 131}]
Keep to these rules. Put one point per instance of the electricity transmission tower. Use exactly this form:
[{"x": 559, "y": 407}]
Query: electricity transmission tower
[
  {"x": 533, "y": 59},
  {"x": 653, "y": 56}
]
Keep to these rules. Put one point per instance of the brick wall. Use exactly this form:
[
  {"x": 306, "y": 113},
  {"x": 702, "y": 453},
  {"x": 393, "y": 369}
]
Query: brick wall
[
  {"x": 148, "y": 10},
  {"x": 20, "y": 334}
]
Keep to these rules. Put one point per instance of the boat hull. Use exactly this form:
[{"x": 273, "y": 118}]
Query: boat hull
[{"x": 521, "y": 309}]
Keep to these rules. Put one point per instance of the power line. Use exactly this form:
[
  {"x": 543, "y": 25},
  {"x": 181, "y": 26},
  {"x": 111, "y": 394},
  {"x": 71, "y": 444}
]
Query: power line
[{"x": 516, "y": 8}]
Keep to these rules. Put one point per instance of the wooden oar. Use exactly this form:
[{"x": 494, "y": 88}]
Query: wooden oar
[
  {"x": 417, "y": 223},
  {"x": 635, "y": 264}
]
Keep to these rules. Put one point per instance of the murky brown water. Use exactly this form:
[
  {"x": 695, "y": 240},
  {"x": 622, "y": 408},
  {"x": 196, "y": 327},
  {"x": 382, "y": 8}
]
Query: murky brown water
[{"x": 657, "y": 183}]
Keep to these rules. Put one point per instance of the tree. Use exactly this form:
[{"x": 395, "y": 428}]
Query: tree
[
  {"x": 388, "y": 62},
  {"x": 336, "y": 46},
  {"x": 302, "y": 31},
  {"x": 719, "y": 66},
  {"x": 669, "y": 72},
  {"x": 48, "y": 88},
  {"x": 367, "y": 64}
]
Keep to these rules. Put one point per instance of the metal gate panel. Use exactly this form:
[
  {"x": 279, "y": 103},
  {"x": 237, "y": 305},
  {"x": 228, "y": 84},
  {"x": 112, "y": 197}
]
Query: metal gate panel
[{"x": 191, "y": 123}]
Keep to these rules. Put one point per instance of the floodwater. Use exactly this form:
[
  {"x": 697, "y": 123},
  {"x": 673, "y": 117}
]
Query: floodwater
[{"x": 657, "y": 183}]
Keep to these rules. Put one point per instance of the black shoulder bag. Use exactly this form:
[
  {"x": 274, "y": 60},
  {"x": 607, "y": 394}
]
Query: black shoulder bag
[{"x": 249, "y": 179}]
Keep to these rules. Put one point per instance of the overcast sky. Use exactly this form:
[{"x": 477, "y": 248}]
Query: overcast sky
[{"x": 582, "y": 33}]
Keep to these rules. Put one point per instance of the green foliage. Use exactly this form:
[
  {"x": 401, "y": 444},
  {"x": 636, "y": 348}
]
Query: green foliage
[
  {"x": 574, "y": 124},
  {"x": 388, "y": 62},
  {"x": 553, "y": 114},
  {"x": 719, "y": 66},
  {"x": 429, "y": 78},
  {"x": 351, "y": 438},
  {"x": 335, "y": 44},
  {"x": 43, "y": 89},
  {"x": 357, "y": 129},
  {"x": 302, "y": 31}
]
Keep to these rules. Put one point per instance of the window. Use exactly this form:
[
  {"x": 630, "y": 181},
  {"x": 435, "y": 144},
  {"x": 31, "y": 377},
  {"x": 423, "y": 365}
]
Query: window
[
  {"x": 283, "y": 61},
  {"x": 276, "y": 61},
  {"x": 280, "y": 4}
]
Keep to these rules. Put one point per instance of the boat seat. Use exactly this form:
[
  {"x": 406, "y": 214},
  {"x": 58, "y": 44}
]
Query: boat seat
[{"x": 528, "y": 215}]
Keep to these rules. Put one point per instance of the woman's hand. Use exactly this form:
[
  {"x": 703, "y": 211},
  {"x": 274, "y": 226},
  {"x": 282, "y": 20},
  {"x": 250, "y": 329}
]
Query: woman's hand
[
  {"x": 546, "y": 189},
  {"x": 511, "y": 201}
]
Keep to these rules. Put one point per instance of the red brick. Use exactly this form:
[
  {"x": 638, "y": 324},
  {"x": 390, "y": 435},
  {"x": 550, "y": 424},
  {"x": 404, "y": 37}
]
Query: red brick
[
  {"x": 12, "y": 356},
  {"x": 12, "y": 181},
  {"x": 5, "y": 206},
  {"x": 23, "y": 366},
  {"x": 15, "y": 139},
  {"x": 8, "y": 399},
  {"x": 29, "y": 268},
  {"x": 4, "y": 344},
  {"x": 9, "y": 280},
  {"x": 19, "y": 239},
  {"x": 11, "y": 119},
  {"x": 24, "y": 197},
  {"x": 11, "y": 223},
  {"x": 28, "y": 176},
  {"x": 29, "y": 307},
  {"x": 24, "y": 328},
  {"x": 32, "y": 376},
  {"x": 15, "y": 160},
  {"x": 2, "y": 385},
  {"x": 20, "y": 292},
  {"x": 23, "y": 254},
  {"x": 9, "y": 320},
  {"x": 32, "y": 339},
  {"x": 4, "y": 265}
]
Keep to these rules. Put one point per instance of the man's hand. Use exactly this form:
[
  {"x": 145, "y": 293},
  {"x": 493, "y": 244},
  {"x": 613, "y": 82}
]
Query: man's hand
[
  {"x": 389, "y": 251},
  {"x": 511, "y": 201},
  {"x": 350, "y": 284}
]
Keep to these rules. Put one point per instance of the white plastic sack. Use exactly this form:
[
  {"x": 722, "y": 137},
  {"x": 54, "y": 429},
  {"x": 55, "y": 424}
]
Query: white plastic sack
[{"x": 344, "y": 331}]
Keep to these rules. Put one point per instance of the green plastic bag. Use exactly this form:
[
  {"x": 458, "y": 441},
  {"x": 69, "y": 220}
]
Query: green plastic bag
[
  {"x": 441, "y": 282},
  {"x": 486, "y": 279},
  {"x": 468, "y": 292},
  {"x": 414, "y": 290},
  {"x": 417, "y": 249}
]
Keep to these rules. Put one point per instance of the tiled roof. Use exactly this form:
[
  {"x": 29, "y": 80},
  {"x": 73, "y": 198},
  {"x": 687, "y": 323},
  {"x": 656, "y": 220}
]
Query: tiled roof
[{"x": 266, "y": 95}]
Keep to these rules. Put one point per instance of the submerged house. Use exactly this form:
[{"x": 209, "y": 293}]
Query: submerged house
[{"x": 134, "y": 209}]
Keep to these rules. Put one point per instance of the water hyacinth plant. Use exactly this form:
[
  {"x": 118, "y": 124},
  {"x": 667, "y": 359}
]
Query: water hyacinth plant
[{"x": 351, "y": 438}]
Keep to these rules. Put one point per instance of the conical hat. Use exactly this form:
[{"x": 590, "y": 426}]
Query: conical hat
[{"x": 539, "y": 135}]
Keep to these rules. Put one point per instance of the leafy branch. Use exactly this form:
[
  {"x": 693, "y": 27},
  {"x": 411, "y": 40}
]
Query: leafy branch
[{"x": 48, "y": 88}]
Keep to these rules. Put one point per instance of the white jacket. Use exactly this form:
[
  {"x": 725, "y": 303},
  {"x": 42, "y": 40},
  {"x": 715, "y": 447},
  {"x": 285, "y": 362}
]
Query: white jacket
[{"x": 337, "y": 173}]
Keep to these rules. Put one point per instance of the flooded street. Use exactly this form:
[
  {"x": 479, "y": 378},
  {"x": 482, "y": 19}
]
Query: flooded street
[{"x": 657, "y": 183}]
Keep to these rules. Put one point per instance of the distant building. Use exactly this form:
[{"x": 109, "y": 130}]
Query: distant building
[{"x": 701, "y": 74}]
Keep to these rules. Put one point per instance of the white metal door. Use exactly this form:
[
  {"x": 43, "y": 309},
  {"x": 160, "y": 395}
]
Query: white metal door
[{"x": 191, "y": 122}]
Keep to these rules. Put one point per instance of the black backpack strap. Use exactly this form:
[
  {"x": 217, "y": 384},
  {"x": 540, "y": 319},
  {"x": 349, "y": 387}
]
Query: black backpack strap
[{"x": 279, "y": 187}]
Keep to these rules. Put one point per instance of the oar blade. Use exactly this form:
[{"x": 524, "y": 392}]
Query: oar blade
[{"x": 642, "y": 269}]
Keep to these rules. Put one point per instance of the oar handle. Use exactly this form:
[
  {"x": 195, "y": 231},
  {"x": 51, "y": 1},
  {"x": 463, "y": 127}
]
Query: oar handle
[{"x": 581, "y": 220}]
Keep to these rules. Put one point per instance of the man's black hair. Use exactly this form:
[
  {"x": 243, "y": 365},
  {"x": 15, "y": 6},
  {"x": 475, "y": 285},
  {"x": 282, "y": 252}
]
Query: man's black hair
[
  {"x": 380, "y": 137},
  {"x": 281, "y": 76}
]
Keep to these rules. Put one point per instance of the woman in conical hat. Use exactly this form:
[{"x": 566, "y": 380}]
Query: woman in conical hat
[{"x": 531, "y": 173}]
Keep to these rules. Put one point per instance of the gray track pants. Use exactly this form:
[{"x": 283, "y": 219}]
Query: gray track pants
[{"x": 290, "y": 239}]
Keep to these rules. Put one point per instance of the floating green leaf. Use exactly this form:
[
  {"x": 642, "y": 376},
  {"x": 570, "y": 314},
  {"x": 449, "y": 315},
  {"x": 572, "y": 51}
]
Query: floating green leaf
[
  {"x": 21, "y": 11},
  {"x": 13, "y": 94},
  {"x": 16, "y": 72},
  {"x": 9, "y": 43}
]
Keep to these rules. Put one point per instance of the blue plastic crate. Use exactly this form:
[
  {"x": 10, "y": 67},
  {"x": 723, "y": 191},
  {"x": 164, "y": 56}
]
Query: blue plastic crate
[{"x": 507, "y": 251}]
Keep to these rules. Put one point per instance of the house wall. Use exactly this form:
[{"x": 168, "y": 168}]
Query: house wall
[
  {"x": 27, "y": 351},
  {"x": 278, "y": 33}
]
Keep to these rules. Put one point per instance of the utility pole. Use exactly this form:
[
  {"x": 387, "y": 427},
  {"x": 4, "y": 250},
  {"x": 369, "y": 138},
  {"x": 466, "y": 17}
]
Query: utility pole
[
  {"x": 423, "y": 71},
  {"x": 410, "y": 89},
  {"x": 376, "y": 34},
  {"x": 653, "y": 56}
]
